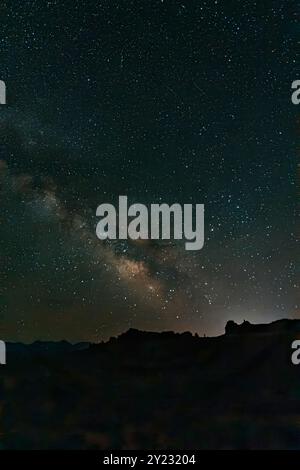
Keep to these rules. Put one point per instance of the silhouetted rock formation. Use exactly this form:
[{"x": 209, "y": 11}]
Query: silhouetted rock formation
[
  {"x": 279, "y": 326},
  {"x": 155, "y": 391}
]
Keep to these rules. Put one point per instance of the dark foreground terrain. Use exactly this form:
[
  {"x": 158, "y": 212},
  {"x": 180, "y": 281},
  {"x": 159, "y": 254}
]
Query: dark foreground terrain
[{"x": 155, "y": 391}]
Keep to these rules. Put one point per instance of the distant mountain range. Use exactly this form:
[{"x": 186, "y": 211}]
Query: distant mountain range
[{"x": 283, "y": 326}]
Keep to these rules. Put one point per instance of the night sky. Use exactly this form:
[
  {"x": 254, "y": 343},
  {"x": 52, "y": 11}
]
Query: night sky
[{"x": 163, "y": 101}]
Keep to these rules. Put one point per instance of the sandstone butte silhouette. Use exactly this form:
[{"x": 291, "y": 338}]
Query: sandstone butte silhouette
[{"x": 148, "y": 390}]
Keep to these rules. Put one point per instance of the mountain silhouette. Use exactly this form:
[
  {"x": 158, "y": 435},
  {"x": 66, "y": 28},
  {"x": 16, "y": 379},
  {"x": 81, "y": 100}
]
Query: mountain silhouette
[{"x": 155, "y": 390}]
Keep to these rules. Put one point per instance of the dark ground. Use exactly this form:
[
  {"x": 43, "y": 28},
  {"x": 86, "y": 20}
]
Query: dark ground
[{"x": 155, "y": 391}]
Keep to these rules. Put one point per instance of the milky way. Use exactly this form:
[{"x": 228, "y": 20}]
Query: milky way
[{"x": 162, "y": 101}]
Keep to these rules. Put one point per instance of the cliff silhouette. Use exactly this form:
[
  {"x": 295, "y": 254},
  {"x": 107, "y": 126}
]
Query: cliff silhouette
[{"x": 155, "y": 390}]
